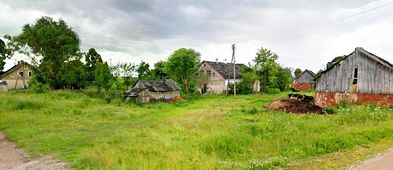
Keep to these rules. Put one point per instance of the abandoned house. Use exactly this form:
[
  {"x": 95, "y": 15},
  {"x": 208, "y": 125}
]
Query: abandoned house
[
  {"x": 18, "y": 76},
  {"x": 304, "y": 81},
  {"x": 361, "y": 77},
  {"x": 219, "y": 75},
  {"x": 149, "y": 91}
]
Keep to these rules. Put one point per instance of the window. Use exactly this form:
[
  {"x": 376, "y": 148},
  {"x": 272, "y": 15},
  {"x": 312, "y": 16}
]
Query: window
[
  {"x": 214, "y": 74},
  {"x": 12, "y": 75},
  {"x": 209, "y": 73},
  {"x": 30, "y": 74},
  {"x": 355, "y": 76},
  {"x": 202, "y": 72},
  {"x": 204, "y": 65},
  {"x": 21, "y": 74},
  {"x": 25, "y": 67}
]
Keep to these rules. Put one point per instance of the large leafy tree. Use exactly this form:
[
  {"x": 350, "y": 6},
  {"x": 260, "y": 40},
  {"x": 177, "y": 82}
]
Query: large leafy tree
[
  {"x": 55, "y": 42},
  {"x": 143, "y": 70},
  {"x": 159, "y": 71},
  {"x": 92, "y": 58},
  {"x": 4, "y": 53},
  {"x": 267, "y": 67},
  {"x": 182, "y": 66},
  {"x": 284, "y": 78},
  {"x": 103, "y": 76},
  {"x": 74, "y": 74}
]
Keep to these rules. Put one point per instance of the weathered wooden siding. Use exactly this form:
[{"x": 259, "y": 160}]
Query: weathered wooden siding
[
  {"x": 305, "y": 77},
  {"x": 373, "y": 77},
  {"x": 147, "y": 96}
]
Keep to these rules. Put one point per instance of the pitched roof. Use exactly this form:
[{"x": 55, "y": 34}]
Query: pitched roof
[
  {"x": 153, "y": 85},
  {"x": 226, "y": 69},
  {"x": 306, "y": 71},
  {"x": 364, "y": 53},
  {"x": 12, "y": 69}
]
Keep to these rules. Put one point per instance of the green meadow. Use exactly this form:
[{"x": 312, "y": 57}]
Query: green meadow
[{"x": 208, "y": 132}]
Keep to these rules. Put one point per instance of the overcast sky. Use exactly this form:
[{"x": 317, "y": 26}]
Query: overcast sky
[{"x": 304, "y": 33}]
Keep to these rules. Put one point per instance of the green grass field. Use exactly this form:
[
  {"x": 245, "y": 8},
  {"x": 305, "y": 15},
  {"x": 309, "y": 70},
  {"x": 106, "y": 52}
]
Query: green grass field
[{"x": 210, "y": 132}]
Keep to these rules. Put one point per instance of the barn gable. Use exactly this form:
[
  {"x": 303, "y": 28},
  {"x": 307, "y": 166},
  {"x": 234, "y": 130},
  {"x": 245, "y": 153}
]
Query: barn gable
[{"x": 359, "y": 72}]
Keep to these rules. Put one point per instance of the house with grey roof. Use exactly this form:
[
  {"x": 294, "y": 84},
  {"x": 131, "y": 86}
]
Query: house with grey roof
[
  {"x": 304, "y": 81},
  {"x": 219, "y": 75},
  {"x": 149, "y": 91}
]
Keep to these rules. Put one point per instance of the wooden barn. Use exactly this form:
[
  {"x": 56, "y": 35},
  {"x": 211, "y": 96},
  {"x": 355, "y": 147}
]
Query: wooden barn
[
  {"x": 361, "y": 77},
  {"x": 149, "y": 91},
  {"x": 304, "y": 81}
]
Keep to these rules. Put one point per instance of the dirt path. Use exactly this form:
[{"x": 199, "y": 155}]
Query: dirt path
[
  {"x": 383, "y": 161},
  {"x": 12, "y": 158}
]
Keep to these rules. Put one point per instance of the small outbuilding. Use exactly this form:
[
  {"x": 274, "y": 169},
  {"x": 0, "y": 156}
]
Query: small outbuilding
[
  {"x": 149, "y": 91},
  {"x": 3, "y": 85},
  {"x": 361, "y": 77},
  {"x": 304, "y": 81}
]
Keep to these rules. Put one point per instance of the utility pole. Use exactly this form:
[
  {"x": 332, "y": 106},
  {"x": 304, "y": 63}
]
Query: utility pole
[{"x": 234, "y": 69}]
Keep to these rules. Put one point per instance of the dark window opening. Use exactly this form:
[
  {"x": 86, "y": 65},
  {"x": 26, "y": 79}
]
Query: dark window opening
[
  {"x": 21, "y": 74},
  {"x": 355, "y": 76},
  {"x": 214, "y": 74},
  {"x": 30, "y": 74},
  {"x": 209, "y": 73}
]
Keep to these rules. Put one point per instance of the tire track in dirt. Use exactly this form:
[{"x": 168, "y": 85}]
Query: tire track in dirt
[
  {"x": 12, "y": 158},
  {"x": 382, "y": 161}
]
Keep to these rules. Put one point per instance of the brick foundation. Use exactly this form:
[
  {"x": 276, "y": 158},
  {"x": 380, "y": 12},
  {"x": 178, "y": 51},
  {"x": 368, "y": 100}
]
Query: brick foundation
[
  {"x": 332, "y": 99},
  {"x": 302, "y": 86}
]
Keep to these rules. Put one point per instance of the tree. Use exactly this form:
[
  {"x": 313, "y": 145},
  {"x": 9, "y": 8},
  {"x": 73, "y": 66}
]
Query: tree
[
  {"x": 4, "y": 53},
  {"x": 336, "y": 60},
  {"x": 182, "y": 66},
  {"x": 266, "y": 67},
  {"x": 92, "y": 58},
  {"x": 74, "y": 74},
  {"x": 159, "y": 72},
  {"x": 55, "y": 42},
  {"x": 298, "y": 71},
  {"x": 284, "y": 78},
  {"x": 143, "y": 70},
  {"x": 103, "y": 76}
]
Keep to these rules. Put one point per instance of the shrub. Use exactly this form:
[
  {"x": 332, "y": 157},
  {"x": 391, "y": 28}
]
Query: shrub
[
  {"x": 37, "y": 86},
  {"x": 270, "y": 90}
]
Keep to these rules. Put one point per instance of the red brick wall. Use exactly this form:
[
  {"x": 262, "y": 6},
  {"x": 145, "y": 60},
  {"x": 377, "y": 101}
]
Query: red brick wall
[
  {"x": 302, "y": 86},
  {"x": 332, "y": 99}
]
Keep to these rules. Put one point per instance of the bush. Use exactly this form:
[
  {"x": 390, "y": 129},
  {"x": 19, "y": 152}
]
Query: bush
[
  {"x": 270, "y": 90},
  {"x": 38, "y": 87},
  {"x": 241, "y": 88}
]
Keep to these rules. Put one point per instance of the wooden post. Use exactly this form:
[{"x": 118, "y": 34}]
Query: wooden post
[{"x": 234, "y": 69}]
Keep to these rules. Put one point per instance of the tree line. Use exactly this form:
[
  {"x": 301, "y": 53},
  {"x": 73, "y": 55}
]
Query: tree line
[{"x": 59, "y": 63}]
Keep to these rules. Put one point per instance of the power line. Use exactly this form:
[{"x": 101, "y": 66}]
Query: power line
[{"x": 330, "y": 23}]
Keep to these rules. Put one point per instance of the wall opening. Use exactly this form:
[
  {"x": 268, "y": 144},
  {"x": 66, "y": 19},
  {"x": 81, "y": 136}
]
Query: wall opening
[{"x": 355, "y": 76}]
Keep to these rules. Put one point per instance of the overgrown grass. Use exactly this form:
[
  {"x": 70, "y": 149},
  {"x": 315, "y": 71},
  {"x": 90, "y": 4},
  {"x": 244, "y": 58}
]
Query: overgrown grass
[{"x": 206, "y": 132}]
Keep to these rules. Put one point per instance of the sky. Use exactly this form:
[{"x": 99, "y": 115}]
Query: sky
[{"x": 304, "y": 34}]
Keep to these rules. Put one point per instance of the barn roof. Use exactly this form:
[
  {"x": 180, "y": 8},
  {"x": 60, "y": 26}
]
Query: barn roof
[
  {"x": 226, "y": 69},
  {"x": 366, "y": 54},
  {"x": 305, "y": 71},
  {"x": 153, "y": 85}
]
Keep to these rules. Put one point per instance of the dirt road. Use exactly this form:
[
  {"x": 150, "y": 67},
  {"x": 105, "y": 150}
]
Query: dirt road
[
  {"x": 12, "y": 158},
  {"x": 383, "y": 161}
]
